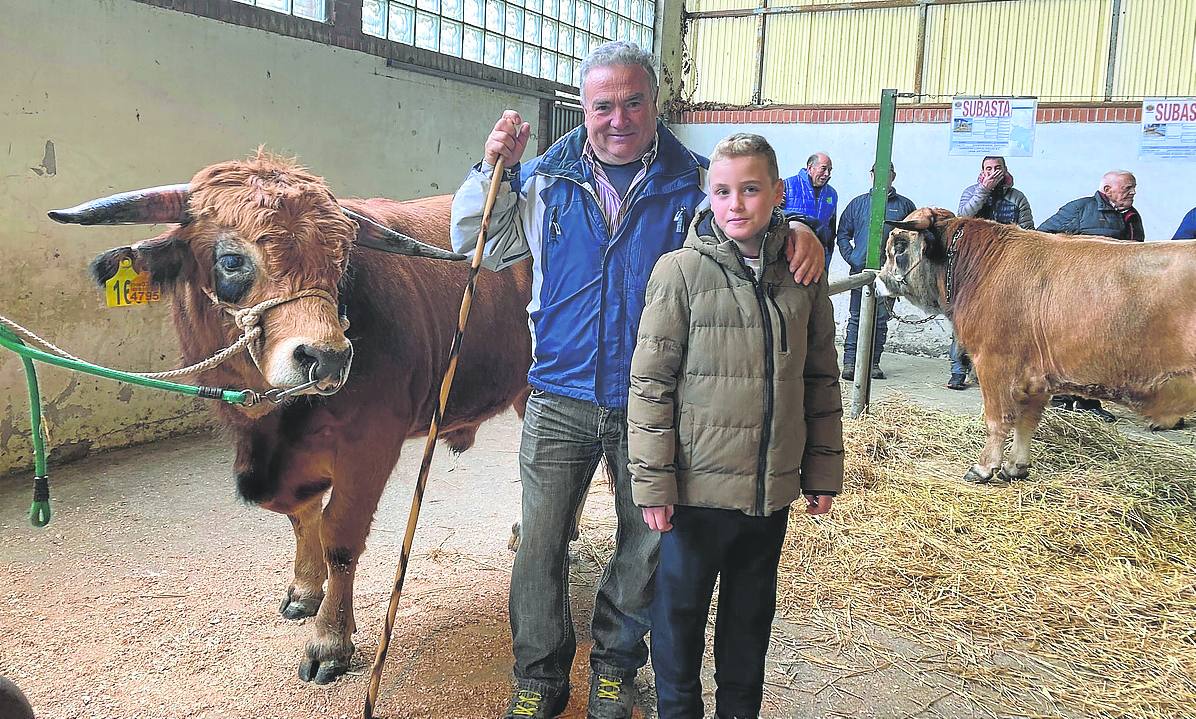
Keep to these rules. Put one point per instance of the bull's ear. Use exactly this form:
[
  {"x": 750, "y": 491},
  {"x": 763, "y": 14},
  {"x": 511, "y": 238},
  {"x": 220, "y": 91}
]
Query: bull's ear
[
  {"x": 934, "y": 248},
  {"x": 161, "y": 256}
]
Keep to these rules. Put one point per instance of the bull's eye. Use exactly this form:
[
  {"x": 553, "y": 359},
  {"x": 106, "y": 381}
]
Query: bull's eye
[
  {"x": 900, "y": 246},
  {"x": 231, "y": 263}
]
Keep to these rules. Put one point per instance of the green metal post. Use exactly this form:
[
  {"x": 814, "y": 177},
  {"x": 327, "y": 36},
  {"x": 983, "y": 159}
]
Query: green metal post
[{"x": 862, "y": 387}]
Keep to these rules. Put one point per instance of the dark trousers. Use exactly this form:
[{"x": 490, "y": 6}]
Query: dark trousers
[
  {"x": 880, "y": 333},
  {"x": 744, "y": 551}
]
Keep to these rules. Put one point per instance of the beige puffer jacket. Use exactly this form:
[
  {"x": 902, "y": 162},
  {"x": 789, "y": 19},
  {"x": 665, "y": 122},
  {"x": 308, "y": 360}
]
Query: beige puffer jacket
[{"x": 734, "y": 399}]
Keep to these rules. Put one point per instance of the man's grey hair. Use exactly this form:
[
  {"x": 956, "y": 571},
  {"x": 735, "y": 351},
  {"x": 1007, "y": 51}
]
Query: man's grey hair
[
  {"x": 1113, "y": 174},
  {"x": 619, "y": 52},
  {"x": 816, "y": 157}
]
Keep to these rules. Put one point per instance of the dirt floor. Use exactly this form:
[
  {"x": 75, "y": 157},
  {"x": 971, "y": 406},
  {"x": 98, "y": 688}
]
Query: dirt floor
[{"x": 154, "y": 593}]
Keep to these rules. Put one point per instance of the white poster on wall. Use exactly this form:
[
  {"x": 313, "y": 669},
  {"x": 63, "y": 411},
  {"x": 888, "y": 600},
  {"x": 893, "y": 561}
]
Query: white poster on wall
[
  {"x": 1168, "y": 128},
  {"x": 993, "y": 126}
]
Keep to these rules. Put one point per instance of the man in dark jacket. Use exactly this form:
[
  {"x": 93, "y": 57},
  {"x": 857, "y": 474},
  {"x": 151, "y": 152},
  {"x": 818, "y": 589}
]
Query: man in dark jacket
[
  {"x": 1109, "y": 213},
  {"x": 994, "y": 197},
  {"x": 853, "y": 246},
  {"x": 1187, "y": 227}
]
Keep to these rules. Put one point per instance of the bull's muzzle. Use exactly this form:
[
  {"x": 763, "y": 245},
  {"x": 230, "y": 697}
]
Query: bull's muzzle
[{"x": 326, "y": 368}]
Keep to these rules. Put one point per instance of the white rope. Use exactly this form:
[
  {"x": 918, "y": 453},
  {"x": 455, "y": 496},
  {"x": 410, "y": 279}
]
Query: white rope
[{"x": 248, "y": 319}]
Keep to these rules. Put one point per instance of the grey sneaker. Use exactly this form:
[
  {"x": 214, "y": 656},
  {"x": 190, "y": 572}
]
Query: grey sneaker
[
  {"x": 530, "y": 701},
  {"x": 611, "y": 697}
]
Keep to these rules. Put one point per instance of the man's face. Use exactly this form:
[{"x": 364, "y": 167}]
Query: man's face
[
  {"x": 820, "y": 170},
  {"x": 620, "y": 112},
  {"x": 992, "y": 167},
  {"x": 742, "y": 195},
  {"x": 1121, "y": 190}
]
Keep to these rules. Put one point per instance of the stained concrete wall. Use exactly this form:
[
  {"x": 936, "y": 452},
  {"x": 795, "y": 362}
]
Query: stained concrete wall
[
  {"x": 1068, "y": 162},
  {"x": 100, "y": 96}
]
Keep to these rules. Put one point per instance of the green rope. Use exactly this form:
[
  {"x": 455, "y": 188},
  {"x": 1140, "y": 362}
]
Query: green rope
[{"x": 39, "y": 511}]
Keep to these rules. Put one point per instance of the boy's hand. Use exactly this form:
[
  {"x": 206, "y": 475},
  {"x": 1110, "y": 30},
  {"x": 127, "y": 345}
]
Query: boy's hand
[
  {"x": 817, "y": 503},
  {"x": 805, "y": 254},
  {"x": 658, "y": 518}
]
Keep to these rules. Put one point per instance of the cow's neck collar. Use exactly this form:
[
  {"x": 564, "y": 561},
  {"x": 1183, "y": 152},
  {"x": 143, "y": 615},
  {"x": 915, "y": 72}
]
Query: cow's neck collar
[{"x": 952, "y": 246}]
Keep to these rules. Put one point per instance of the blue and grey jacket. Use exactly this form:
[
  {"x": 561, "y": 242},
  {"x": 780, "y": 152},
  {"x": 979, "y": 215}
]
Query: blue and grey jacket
[
  {"x": 588, "y": 282},
  {"x": 801, "y": 199},
  {"x": 857, "y": 216}
]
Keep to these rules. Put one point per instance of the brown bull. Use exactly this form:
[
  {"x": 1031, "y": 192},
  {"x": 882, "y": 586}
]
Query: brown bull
[
  {"x": 1045, "y": 314},
  {"x": 253, "y": 233}
]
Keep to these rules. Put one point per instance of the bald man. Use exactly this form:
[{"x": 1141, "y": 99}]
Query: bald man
[
  {"x": 809, "y": 194},
  {"x": 1109, "y": 213}
]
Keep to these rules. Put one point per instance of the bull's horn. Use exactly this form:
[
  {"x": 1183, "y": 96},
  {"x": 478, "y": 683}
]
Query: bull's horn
[
  {"x": 371, "y": 233},
  {"x": 906, "y": 224},
  {"x": 153, "y": 205}
]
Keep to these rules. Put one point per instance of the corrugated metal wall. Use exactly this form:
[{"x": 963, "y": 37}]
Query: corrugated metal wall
[
  {"x": 1057, "y": 50},
  {"x": 1048, "y": 48},
  {"x": 724, "y": 60},
  {"x": 806, "y": 62},
  {"x": 1156, "y": 48}
]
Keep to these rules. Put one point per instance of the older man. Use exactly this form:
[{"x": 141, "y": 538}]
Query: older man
[
  {"x": 594, "y": 212},
  {"x": 809, "y": 193},
  {"x": 1109, "y": 213}
]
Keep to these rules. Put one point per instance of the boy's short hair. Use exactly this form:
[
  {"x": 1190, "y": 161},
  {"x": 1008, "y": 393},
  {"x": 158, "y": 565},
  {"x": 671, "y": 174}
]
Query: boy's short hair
[{"x": 746, "y": 144}]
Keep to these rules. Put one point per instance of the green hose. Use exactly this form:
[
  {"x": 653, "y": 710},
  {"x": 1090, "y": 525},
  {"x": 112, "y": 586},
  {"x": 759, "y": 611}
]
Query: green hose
[{"x": 39, "y": 511}]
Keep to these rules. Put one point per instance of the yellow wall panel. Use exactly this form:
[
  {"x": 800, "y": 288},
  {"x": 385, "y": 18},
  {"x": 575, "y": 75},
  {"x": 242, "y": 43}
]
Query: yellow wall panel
[
  {"x": 1054, "y": 49},
  {"x": 839, "y": 57},
  {"x": 1156, "y": 49},
  {"x": 724, "y": 55}
]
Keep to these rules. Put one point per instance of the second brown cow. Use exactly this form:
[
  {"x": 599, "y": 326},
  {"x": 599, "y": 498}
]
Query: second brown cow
[{"x": 1044, "y": 314}]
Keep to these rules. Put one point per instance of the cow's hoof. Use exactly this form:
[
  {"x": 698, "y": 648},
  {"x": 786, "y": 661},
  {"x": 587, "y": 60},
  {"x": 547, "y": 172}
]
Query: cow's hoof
[
  {"x": 975, "y": 476},
  {"x": 297, "y": 607},
  {"x": 1159, "y": 428},
  {"x": 1014, "y": 473},
  {"x": 324, "y": 672},
  {"x": 513, "y": 542},
  {"x": 325, "y": 661}
]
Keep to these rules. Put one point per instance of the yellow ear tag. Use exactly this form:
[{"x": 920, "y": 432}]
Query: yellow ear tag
[{"x": 129, "y": 287}]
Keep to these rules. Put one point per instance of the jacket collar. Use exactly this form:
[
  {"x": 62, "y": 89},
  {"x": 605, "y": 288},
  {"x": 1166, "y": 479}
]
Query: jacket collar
[{"x": 566, "y": 157}]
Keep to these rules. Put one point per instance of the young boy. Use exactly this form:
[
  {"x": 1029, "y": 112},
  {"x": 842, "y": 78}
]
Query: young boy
[{"x": 734, "y": 412}]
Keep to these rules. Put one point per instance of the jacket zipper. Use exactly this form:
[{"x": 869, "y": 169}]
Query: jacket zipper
[
  {"x": 780, "y": 318},
  {"x": 679, "y": 219},
  {"x": 554, "y": 234},
  {"x": 766, "y": 430}
]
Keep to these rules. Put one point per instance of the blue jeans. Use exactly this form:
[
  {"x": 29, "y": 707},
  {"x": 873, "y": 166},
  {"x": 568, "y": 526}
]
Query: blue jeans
[
  {"x": 563, "y": 440},
  {"x": 960, "y": 362},
  {"x": 881, "y": 332},
  {"x": 705, "y": 543}
]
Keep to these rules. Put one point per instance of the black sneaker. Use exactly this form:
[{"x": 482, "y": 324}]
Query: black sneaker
[
  {"x": 877, "y": 373},
  {"x": 849, "y": 372},
  {"x": 611, "y": 697},
  {"x": 957, "y": 381},
  {"x": 535, "y": 702}
]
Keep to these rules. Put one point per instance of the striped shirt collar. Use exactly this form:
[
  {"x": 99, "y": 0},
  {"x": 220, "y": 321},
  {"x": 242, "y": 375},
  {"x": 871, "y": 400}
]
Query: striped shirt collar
[{"x": 611, "y": 202}]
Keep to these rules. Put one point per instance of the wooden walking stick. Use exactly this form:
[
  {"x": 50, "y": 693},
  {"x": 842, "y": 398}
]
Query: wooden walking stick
[{"x": 417, "y": 499}]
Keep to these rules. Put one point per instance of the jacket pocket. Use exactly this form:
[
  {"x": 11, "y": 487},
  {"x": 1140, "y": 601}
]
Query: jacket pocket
[
  {"x": 685, "y": 437},
  {"x": 781, "y": 319}
]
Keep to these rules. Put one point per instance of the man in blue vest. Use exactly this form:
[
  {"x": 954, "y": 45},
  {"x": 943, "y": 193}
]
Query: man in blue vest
[
  {"x": 809, "y": 194},
  {"x": 595, "y": 212}
]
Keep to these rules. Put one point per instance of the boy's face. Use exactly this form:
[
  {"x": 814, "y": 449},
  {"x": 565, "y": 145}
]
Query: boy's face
[{"x": 742, "y": 195}]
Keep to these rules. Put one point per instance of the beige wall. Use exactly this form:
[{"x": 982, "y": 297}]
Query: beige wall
[{"x": 129, "y": 96}]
